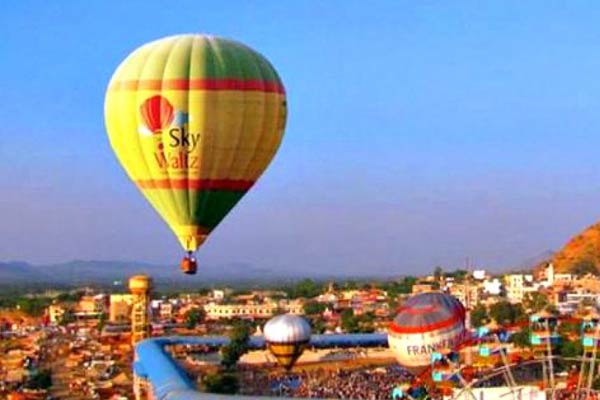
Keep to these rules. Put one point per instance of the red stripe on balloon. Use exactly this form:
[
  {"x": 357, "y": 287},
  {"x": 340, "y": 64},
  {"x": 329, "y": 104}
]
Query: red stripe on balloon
[
  {"x": 252, "y": 85},
  {"x": 425, "y": 328},
  {"x": 195, "y": 184},
  {"x": 419, "y": 310}
]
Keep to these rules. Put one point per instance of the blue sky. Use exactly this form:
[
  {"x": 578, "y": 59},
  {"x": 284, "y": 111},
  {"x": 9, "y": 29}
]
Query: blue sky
[{"x": 419, "y": 133}]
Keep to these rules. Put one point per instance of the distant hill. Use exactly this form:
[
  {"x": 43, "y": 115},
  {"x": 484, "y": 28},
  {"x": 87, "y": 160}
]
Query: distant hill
[
  {"x": 73, "y": 272},
  {"x": 581, "y": 253},
  {"x": 18, "y": 271},
  {"x": 105, "y": 273},
  {"x": 535, "y": 261},
  {"x": 82, "y": 272}
]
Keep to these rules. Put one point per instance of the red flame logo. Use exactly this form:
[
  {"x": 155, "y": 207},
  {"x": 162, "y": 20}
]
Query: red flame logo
[{"x": 157, "y": 113}]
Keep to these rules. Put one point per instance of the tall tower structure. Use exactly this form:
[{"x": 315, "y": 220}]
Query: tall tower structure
[
  {"x": 140, "y": 287},
  {"x": 468, "y": 305}
]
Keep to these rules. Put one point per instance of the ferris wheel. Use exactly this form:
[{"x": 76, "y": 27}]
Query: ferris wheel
[{"x": 498, "y": 370}]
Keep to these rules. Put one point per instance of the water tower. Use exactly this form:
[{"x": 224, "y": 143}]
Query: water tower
[{"x": 140, "y": 287}]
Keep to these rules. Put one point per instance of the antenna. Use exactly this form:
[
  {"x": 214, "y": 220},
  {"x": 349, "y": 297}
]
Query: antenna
[{"x": 469, "y": 358}]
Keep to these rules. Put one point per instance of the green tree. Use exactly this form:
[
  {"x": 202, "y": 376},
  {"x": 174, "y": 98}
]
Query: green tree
[
  {"x": 317, "y": 325},
  {"x": 39, "y": 380},
  {"x": 33, "y": 306},
  {"x": 535, "y": 302},
  {"x": 567, "y": 328},
  {"x": 395, "y": 288},
  {"x": 221, "y": 383},
  {"x": 7, "y": 302},
  {"x": 102, "y": 319},
  {"x": 521, "y": 338},
  {"x": 306, "y": 288},
  {"x": 312, "y": 308},
  {"x": 585, "y": 267},
  {"x": 392, "y": 305},
  {"x": 366, "y": 323},
  {"x": 368, "y": 317},
  {"x": 350, "y": 322},
  {"x": 504, "y": 312},
  {"x": 350, "y": 285},
  {"x": 367, "y": 286},
  {"x": 239, "y": 339},
  {"x": 479, "y": 316},
  {"x": 193, "y": 317},
  {"x": 69, "y": 297},
  {"x": 406, "y": 285},
  {"x": 240, "y": 331},
  {"x": 552, "y": 309},
  {"x": 458, "y": 274},
  {"x": 519, "y": 314},
  {"x": 570, "y": 348},
  {"x": 67, "y": 318},
  {"x": 438, "y": 273}
]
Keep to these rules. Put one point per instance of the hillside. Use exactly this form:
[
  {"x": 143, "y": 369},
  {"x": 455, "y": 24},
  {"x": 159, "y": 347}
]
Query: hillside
[
  {"x": 94, "y": 272},
  {"x": 19, "y": 271},
  {"x": 84, "y": 272},
  {"x": 581, "y": 253}
]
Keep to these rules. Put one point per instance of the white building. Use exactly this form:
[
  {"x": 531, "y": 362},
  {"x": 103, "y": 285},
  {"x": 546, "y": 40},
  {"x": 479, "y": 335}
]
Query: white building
[
  {"x": 218, "y": 295},
  {"x": 327, "y": 298},
  {"x": 166, "y": 310},
  {"x": 517, "y": 285},
  {"x": 479, "y": 274},
  {"x": 251, "y": 310},
  {"x": 552, "y": 278},
  {"x": 55, "y": 312},
  {"x": 492, "y": 287},
  {"x": 571, "y": 302}
]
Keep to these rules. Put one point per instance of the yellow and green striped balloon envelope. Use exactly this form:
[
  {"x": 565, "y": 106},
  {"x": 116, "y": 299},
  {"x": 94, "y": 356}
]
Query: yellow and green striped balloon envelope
[{"x": 195, "y": 120}]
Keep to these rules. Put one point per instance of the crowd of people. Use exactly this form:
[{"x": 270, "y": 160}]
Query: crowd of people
[
  {"x": 364, "y": 383},
  {"x": 367, "y": 383},
  {"x": 392, "y": 382}
]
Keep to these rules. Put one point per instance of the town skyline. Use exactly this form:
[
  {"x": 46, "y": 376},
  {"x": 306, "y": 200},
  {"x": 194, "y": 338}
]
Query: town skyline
[
  {"x": 103, "y": 272},
  {"x": 77, "y": 340}
]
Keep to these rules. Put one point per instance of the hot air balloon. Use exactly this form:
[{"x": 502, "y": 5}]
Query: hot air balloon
[
  {"x": 441, "y": 298},
  {"x": 421, "y": 328},
  {"x": 286, "y": 337},
  {"x": 194, "y": 120}
]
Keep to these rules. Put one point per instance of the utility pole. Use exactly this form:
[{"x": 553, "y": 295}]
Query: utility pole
[{"x": 469, "y": 360}]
